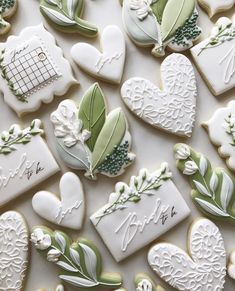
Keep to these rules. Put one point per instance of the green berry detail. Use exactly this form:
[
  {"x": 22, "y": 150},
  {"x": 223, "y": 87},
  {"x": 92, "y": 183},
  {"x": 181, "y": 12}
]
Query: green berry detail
[{"x": 5, "y": 5}]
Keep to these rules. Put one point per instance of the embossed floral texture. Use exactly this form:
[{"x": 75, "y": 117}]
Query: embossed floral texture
[
  {"x": 205, "y": 271},
  {"x": 13, "y": 253},
  {"x": 68, "y": 126}
]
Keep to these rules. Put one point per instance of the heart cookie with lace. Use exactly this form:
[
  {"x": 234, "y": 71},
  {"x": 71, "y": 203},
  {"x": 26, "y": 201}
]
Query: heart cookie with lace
[
  {"x": 204, "y": 269},
  {"x": 13, "y": 251},
  {"x": 172, "y": 109}
]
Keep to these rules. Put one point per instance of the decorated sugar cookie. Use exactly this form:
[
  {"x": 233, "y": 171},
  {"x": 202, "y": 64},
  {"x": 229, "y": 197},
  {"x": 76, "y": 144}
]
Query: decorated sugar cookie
[
  {"x": 143, "y": 282},
  {"x": 221, "y": 130},
  {"x": 138, "y": 213},
  {"x": 13, "y": 251},
  {"x": 7, "y": 10},
  {"x": 80, "y": 262},
  {"x": 107, "y": 65},
  {"x": 68, "y": 211},
  {"x": 231, "y": 266},
  {"x": 213, "y": 189},
  {"x": 58, "y": 288},
  {"x": 21, "y": 166},
  {"x": 215, "y": 6},
  {"x": 89, "y": 140},
  {"x": 204, "y": 268},
  {"x": 161, "y": 23},
  {"x": 171, "y": 109},
  {"x": 33, "y": 70},
  {"x": 214, "y": 57},
  {"x": 66, "y": 15}
]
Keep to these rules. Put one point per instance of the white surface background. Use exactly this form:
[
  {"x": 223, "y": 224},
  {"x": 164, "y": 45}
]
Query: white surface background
[{"x": 150, "y": 145}]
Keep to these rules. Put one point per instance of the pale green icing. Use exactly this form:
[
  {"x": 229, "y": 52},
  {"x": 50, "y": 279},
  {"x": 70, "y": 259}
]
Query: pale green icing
[
  {"x": 213, "y": 189},
  {"x": 88, "y": 140},
  {"x": 111, "y": 135},
  {"x": 92, "y": 112},
  {"x": 7, "y": 9},
  {"x": 175, "y": 14},
  {"x": 66, "y": 16},
  {"x": 79, "y": 262}
]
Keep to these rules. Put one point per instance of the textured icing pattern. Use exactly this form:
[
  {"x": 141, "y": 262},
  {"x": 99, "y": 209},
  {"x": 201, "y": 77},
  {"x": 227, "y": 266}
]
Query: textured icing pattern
[
  {"x": 204, "y": 270},
  {"x": 171, "y": 109}
]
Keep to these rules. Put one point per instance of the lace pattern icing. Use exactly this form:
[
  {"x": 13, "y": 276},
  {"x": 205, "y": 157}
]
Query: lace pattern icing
[
  {"x": 13, "y": 251},
  {"x": 204, "y": 271},
  {"x": 171, "y": 109}
]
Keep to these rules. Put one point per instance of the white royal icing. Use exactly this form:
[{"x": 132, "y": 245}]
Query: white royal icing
[
  {"x": 204, "y": 269},
  {"x": 221, "y": 130},
  {"x": 21, "y": 166},
  {"x": 215, "y": 56},
  {"x": 215, "y": 6},
  {"x": 108, "y": 64},
  {"x": 13, "y": 251},
  {"x": 231, "y": 266},
  {"x": 67, "y": 211},
  {"x": 33, "y": 70},
  {"x": 171, "y": 109},
  {"x": 60, "y": 287},
  {"x": 139, "y": 213}
]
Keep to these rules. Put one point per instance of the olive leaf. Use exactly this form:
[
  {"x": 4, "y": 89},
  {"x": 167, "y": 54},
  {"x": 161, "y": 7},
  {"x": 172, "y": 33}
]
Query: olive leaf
[
  {"x": 80, "y": 263},
  {"x": 110, "y": 136},
  {"x": 92, "y": 112},
  {"x": 66, "y": 15},
  {"x": 175, "y": 14},
  {"x": 213, "y": 189},
  {"x": 158, "y": 8}
]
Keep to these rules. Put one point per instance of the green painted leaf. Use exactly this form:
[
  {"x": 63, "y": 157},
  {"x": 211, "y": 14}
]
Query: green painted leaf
[
  {"x": 158, "y": 8},
  {"x": 212, "y": 209},
  {"x": 57, "y": 17},
  {"x": 92, "y": 112},
  {"x": 175, "y": 14},
  {"x": 110, "y": 136},
  {"x": 78, "y": 282}
]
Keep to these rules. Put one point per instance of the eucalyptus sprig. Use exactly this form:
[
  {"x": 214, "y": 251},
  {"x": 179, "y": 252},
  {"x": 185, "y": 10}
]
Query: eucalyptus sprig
[
  {"x": 144, "y": 184},
  {"x": 213, "y": 189},
  {"x": 16, "y": 136},
  {"x": 80, "y": 262},
  {"x": 230, "y": 130}
]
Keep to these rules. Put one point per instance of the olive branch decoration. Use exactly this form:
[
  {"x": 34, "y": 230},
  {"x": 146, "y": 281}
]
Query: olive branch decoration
[
  {"x": 213, "y": 189},
  {"x": 18, "y": 95}
]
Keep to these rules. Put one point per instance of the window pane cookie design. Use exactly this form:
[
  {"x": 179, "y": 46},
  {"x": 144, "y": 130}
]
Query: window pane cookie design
[
  {"x": 14, "y": 251},
  {"x": 161, "y": 23},
  {"x": 140, "y": 212},
  {"x": 204, "y": 268},
  {"x": 171, "y": 109},
  {"x": 215, "y": 6},
  {"x": 221, "y": 131},
  {"x": 21, "y": 166},
  {"x": 214, "y": 57},
  {"x": 33, "y": 70},
  {"x": 7, "y": 10}
]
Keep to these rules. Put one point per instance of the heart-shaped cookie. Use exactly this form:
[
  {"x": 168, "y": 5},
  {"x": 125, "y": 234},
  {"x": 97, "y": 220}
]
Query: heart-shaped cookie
[
  {"x": 171, "y": 109},
  {"x": 13, "y": 251},
  {"x": 215, "y": 6},
  {"x": 106, "y": 65},
  {"x": 204, "y": 269},
  {"x": 67, "y": 212}
]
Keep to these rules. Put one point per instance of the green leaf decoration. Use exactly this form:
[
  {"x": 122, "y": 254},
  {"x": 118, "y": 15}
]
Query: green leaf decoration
[
  {"x": 65, "y": 15},
  {"x": 110, "y": 136},
  {"x": 92, "y": 112},
  {"x": 80, "y": 263},
  {"x": 158, "y": 8},
  {"x": 213, "y": 189},
  {"x": 175, "y": 15}
]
